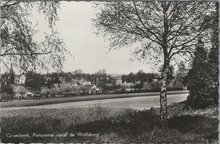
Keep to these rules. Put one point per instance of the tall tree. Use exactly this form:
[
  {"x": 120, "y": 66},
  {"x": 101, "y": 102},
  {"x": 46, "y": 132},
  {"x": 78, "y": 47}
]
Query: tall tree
[
  {"x": 197, "y": 75},
  {"x": 213, "y": 67},
  {"x": 34, "y": 80},
  {"x": 164, "y": 30},
  {"x": 12, "y": 76}
]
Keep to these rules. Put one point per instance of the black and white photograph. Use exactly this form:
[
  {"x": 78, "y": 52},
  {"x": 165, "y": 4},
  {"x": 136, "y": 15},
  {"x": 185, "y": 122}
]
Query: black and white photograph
[{"x": 109, "y": 71}]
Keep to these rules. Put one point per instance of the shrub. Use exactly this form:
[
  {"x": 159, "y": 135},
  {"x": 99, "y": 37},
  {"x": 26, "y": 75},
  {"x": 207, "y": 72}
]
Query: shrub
[
  {"x": 155, "y": 86},
  {"x": 5, "y": 96},
  {"x": 7, "y": 92}
]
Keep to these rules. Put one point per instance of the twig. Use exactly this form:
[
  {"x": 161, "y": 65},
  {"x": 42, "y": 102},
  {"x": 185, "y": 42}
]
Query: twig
[{"x": 151, "y": 135}]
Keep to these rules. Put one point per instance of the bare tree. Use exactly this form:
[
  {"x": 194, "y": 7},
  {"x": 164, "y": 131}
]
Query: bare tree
[
  {"x": 164, "y": 30},
  {"x": 18, "y": 47}
]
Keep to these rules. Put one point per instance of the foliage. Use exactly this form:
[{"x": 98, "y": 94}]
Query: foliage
[
  {"x": 140, "y": 76},
  {"x": 34, "y": 80},
  {"x": 179, "y": 80},
  {"x": 64, "y": 89},
  {"x": 101, "y": 78},
  {"x": 198, "y": 85},
  {"x": 170, "y": 73},
  {"x": 213, "y": 63},
  {"x": 18, "y": 46},
  {"x": 181, "y": 74},
  {"x": 6, "y": 86},
  {"x": 7, "y": 92},
  {"x": 5, "y": 79},
  {"x": 155, "y": 85}
]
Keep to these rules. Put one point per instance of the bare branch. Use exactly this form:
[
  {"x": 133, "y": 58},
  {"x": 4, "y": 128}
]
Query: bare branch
[{"x": 148, "y": 29}]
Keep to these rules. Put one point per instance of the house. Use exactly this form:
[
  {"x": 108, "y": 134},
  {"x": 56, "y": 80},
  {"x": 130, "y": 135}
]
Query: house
[
  {"x": 84, "y": 82},
  {"x": 89, "y": 89},
  {"x": 20, "y": 91},
  {"x": 155, "y": 80},
  {"x": 20, "y": 79},
  {"x": 128, "y": 84},
  {"x": 117, "y": 80},
  {"x": 18, "y": 96},
  {"x": 75, "y": 82},
  {"x": 138, "y": 82},
  {"x": 59, "y": 89},
  {"x": 28, "y": 94}
]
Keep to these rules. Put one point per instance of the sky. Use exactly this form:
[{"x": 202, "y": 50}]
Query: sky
[{"x": 90, "y": 52}]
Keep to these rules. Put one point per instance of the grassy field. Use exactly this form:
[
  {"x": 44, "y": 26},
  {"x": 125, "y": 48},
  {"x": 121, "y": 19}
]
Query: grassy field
[
  {"x": 99, "y": 125},
  {"x": 36, "y": 102}
]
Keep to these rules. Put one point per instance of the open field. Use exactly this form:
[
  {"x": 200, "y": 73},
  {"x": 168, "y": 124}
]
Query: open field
[
  {"x": 111, "y": 124},
  {"x": 121, "y": 120},
  {"x": 37, "y": 102},
  {"x": 137, "y": 103}
]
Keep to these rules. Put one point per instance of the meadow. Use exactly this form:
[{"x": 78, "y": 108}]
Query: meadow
[{"x": 98, "y": 124}]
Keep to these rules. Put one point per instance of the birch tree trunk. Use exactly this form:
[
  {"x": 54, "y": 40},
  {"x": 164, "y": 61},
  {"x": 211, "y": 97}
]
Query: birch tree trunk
[{"x": 163, "y": 95}]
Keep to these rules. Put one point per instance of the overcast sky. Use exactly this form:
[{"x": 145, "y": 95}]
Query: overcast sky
[{"x": 90, "y": 52}]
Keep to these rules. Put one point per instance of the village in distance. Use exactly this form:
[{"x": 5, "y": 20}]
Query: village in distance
[{"x": 32, "y": 85}]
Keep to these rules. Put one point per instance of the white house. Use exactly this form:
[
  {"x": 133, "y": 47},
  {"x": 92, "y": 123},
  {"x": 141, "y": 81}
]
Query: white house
[
  {"x": 117, "y": 80},
  {"x": 19, "y": 91},
  {"x": 20, "y": 79},
  {"x": 128, "y": 84},
  {"x": 28, "y": 95},
  {"x": 84, "y": 82},
  {"x": 89, "y": 89}
]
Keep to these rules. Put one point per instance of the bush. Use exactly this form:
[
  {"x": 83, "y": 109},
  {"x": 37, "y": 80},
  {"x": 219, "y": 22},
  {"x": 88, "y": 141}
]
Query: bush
[
  {"x": 155, "y": 86},
  {"x": 5, "y": 96},
  {"x": 7, "y": 92}
]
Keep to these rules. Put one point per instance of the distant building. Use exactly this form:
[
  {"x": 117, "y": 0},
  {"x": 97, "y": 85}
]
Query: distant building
[
  {"x": 117, "y": 80},
  {"x": 29, "y": 95},
  {"x": 128, "y": 84},
  {"x": 20, "y": 79},
  {"x": 75, "y": 82},
  {"x": 21, "y": 92},
  {"x": 155, "y": 80},
  {"x": 84, "y": 82},
  {"x": 89, "y": 89},
  {"x": 138, "y": 82}
]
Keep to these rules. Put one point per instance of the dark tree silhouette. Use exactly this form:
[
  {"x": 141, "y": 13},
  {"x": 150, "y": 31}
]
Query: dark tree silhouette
[{"x": 197, "y": 85}]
